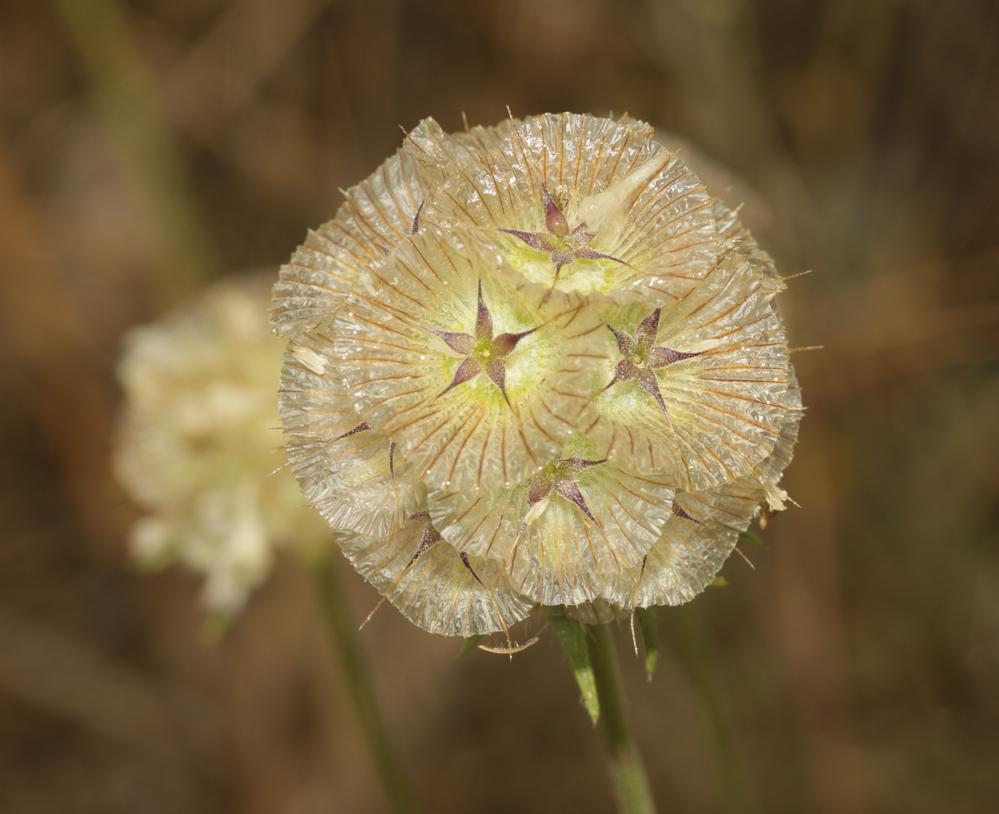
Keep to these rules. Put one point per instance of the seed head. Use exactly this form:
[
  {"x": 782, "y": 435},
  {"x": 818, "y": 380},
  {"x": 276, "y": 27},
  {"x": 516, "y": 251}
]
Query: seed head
[{"x": 534, "y": 364}]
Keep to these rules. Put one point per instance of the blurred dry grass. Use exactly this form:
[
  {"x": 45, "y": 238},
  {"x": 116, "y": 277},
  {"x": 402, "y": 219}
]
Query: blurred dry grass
[{"x": 147, "y": 147}]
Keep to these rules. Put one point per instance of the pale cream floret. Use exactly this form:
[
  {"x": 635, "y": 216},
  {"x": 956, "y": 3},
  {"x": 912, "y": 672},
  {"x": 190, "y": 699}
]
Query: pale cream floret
[
  {"x": 608, "y": 210},
  {"x": 200, "y": 446}
]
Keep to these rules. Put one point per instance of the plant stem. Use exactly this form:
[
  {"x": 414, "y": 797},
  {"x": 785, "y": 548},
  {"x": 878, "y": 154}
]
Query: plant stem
[
  {"x": 131, "y": 105},
  {"x": 692, "y": 644},
  {"x": 631, "y": 784},
  {"x": 343, "y": 635}
]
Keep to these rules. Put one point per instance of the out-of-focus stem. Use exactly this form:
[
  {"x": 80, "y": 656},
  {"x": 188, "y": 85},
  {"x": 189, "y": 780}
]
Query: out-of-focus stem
[
  {"x": 631, "y": 784},
  {"x": 697, "y": 659},
  {"x": 343, "y": 635},
  {"x": 132, "y": 108}
]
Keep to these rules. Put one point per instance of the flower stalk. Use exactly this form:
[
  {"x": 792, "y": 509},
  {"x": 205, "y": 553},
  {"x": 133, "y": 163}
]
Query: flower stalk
[
  {"x": 627, "y": 772},
  {"x": 343, "y": 636}
]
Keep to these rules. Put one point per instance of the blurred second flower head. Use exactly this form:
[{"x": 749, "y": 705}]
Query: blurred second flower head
[{"x": 199, "y": 446}]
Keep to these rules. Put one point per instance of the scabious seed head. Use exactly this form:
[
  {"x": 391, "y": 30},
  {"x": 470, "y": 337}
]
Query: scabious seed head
[
  {"x": 534, "y": 364},
  {"x": 200, "y": 439}
]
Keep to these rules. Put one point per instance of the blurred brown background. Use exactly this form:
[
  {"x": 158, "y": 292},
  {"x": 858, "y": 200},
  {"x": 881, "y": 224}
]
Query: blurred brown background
[{"x": 147, "y": 148}]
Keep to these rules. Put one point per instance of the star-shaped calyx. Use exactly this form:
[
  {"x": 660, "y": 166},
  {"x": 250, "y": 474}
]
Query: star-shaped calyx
[
  {"x": 430, "y": 538},
  {"x": 365, "y": 427},
  {"x": 563, "y": 244},
  {"x": 558, "y": 478},
  {"x": 641, "y": 357},
  {"x": 483, "y": 352}
]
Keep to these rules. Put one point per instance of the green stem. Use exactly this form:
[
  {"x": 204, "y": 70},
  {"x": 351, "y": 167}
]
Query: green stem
[
  {"x": 343, "y": 635},
  {"x": 631, "y": 784}
]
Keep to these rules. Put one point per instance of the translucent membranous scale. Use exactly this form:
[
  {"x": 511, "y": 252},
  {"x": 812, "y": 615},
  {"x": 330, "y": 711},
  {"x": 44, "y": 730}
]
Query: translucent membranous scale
[{"x": 535, "y": 364}]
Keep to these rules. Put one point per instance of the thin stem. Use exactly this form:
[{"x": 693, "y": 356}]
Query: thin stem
[
  {"x": 343, "y": 635},
  {"x": 631, "y": 784}
]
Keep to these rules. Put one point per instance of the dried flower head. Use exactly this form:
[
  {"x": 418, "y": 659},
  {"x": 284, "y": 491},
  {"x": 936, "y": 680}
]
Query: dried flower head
[
  {"x": 534, "y": 364},
  {"x": 200, "y": 439}
]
